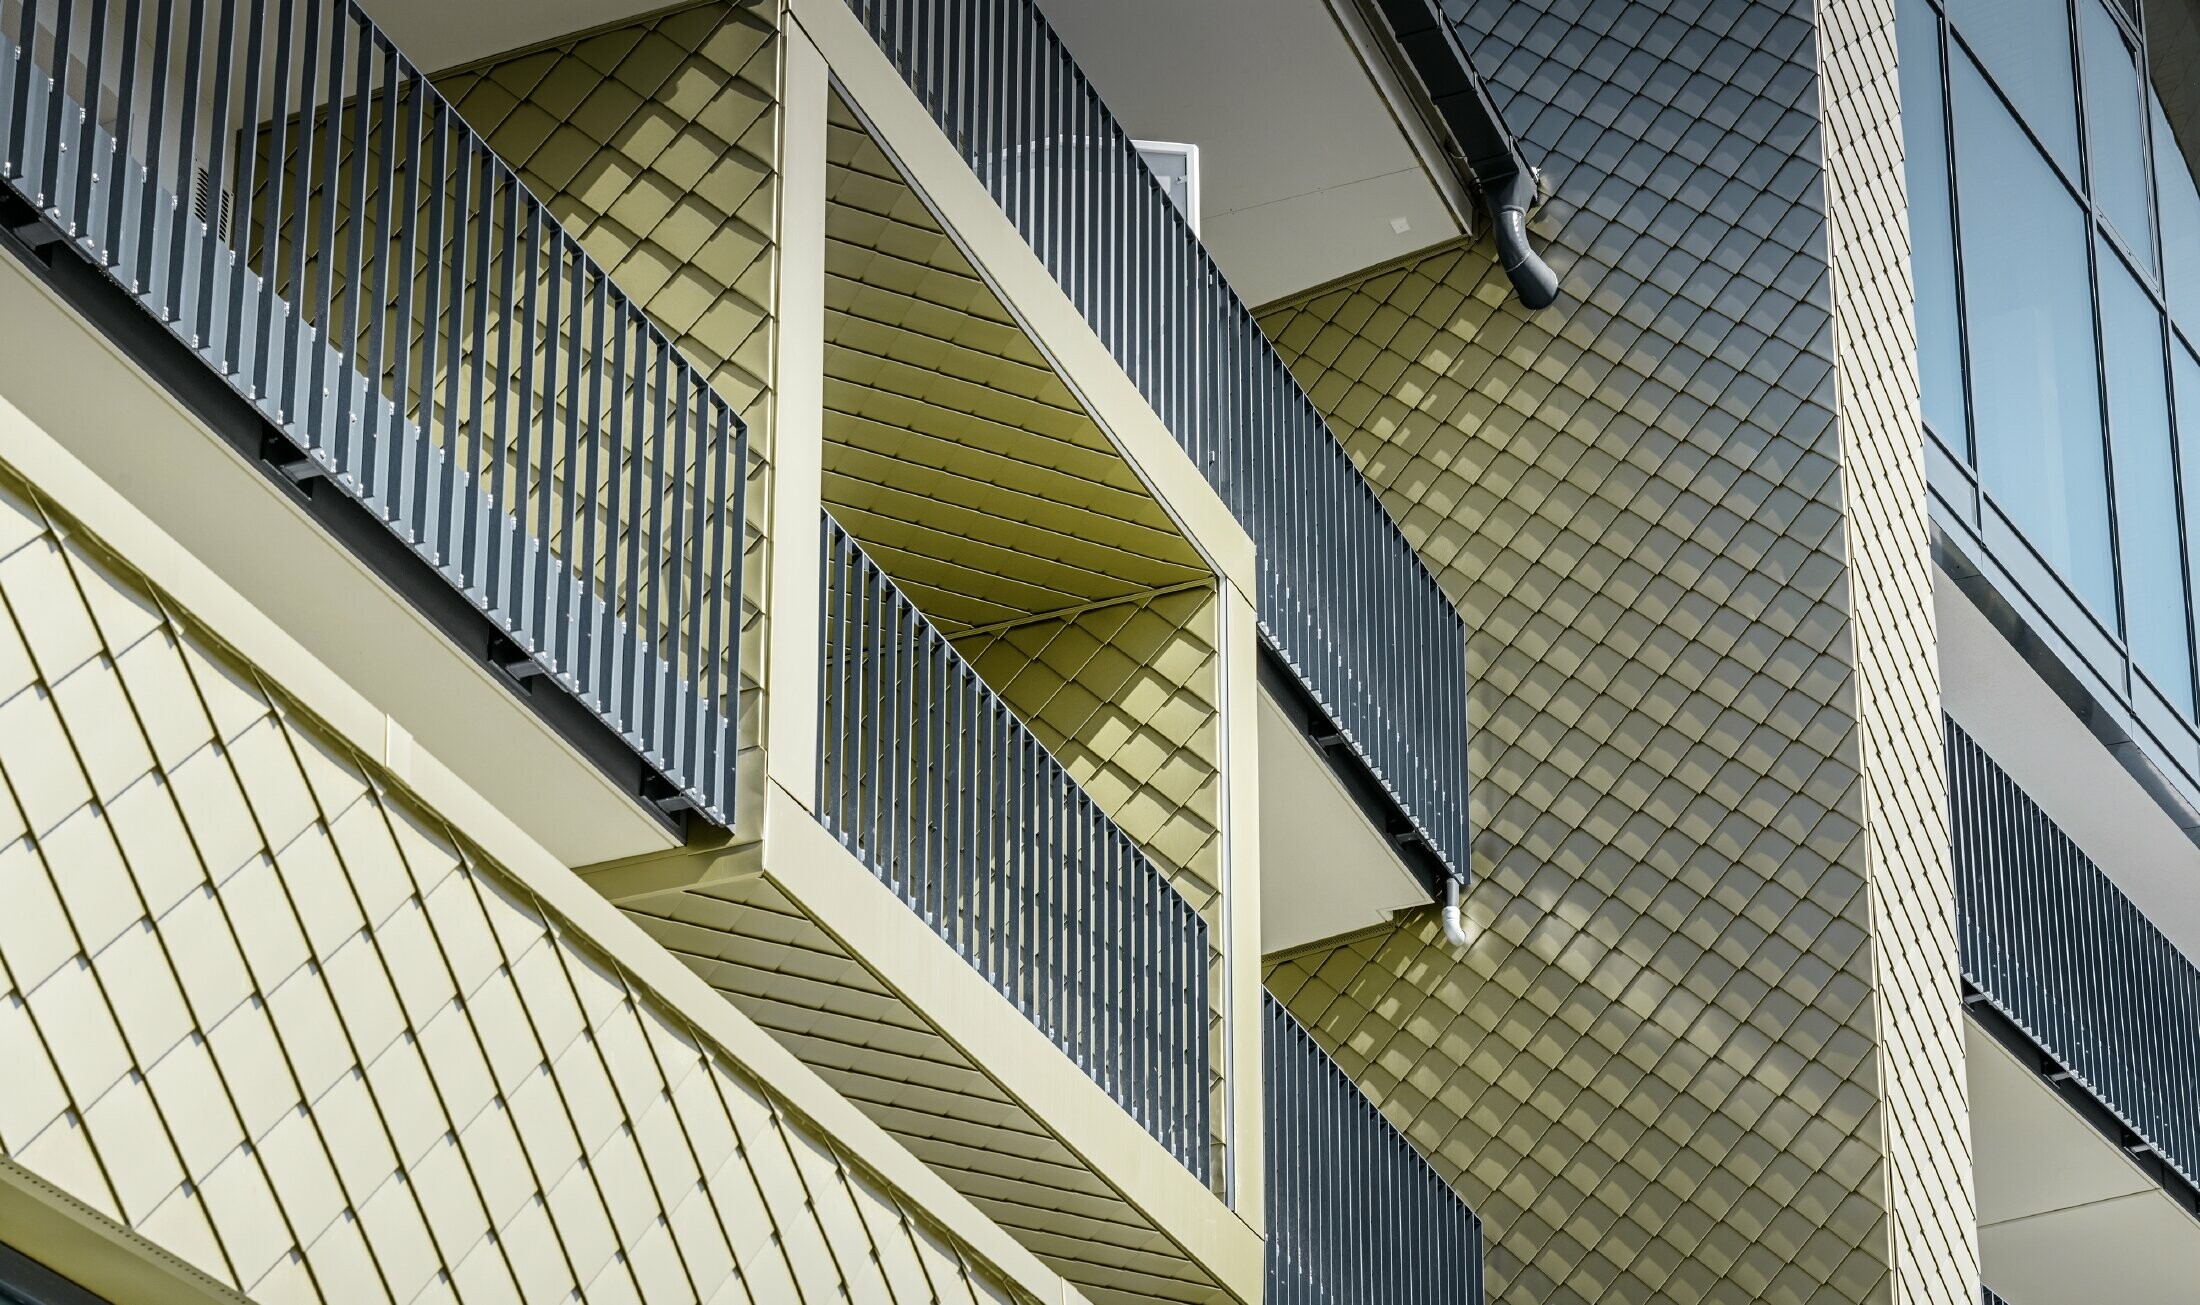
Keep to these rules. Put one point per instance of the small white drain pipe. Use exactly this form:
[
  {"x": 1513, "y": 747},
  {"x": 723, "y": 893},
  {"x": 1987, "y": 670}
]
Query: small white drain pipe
[{"x": 1455, "y": 932}]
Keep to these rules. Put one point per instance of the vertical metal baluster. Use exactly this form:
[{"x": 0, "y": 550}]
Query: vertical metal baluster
[
  {"x": 734, "y": 480},
  {"x": 1001, "y": 769},
  {"x": 877, "y": 810},
  {"x": 885, "y": 780},
  {"x": 946, "y": 750},
  {"x": 607, "y": 685},
  {"x": 265, "y": 377},
  {"x": 1046, "y": 867},
  {"x": 57, "y": 95},
  {"x": 966, "y": 81},
  {"x": 508, "y": 574},
  {"x": 194, "y": 59},
  {"x": 625, "y": 539},
  {"x": 686, "y": 564},
  {"x": 120, "y": 164},
  {"x": 685, "y": 567},
  {"x": 1172, "y": 1065},
  {"x": 1201, "y": 1007},
  {"x": 934, "y": 797},
  {"x": 984, "y": 825},
  {"x": 908, "y": 747},
  {"x": 654, "y": 639},
  {"x": 1031, "y": 897},
  {"x": 211, "y": 242},
  {"x": 240, "y": 225},
  {"x": 532, "y": 595},
  {"x": 466, "y": 458},
  {"x": 849, "y": 744},
  {"x": 324, "y": 298},
  {"x": 514, "y": 247},
  {"x": 902, "y": 707},
  {"x": 581, "y": 629},
  {"x": 952, "y": 781},
  {"x": 1114, "y": 976},
  {"x": 301, "y": 182},
  {"x": 1164, "y": 1042},
  {"x": 534, "y": 471},
  {"x": 88, "y": 168},
  {"x": 968, "y": 787},
  {"x": 484, "y": 468},
  {"x": 926, "y": 738},
  {"x": 456, "y": 425},
  {"x": 352, "y": 466},
  {"x": 26, "y": 65},
  {"x": 997, "y": 79},
  {"x": 1016, "y": 837},
  {"x": 1151, "y": 1050},
  {"x": 830, "y": 673},
  {"x": 832, "y": 733},
  {"x": 424, "y": 511},
  {"x": 863, "y": 687},
  {"x": 156, "y": 120},
  {"x": 395, "y": 462},
  {"x": 554, "y": 614},
  {"x": 1091, "y": 992}
]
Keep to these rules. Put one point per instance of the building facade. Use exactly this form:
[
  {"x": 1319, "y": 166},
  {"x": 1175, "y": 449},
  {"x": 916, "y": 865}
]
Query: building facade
[{"x": 1024, "y": 650}]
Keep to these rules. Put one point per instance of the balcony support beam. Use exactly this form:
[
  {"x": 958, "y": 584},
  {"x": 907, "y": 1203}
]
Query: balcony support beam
[
  {"x": 1238, "y": 655},
  {"x": 790, "y": 669}
]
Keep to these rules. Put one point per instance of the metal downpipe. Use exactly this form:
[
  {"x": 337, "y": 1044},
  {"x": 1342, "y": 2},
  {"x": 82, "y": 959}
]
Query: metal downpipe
[{"x": 1508, "y": 202}]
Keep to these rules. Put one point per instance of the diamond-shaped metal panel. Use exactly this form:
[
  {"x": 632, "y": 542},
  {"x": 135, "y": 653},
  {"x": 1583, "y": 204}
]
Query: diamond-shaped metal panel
[
  {"x": 261, "y": 1009},
  {"x": 1704, "y": 1045}
]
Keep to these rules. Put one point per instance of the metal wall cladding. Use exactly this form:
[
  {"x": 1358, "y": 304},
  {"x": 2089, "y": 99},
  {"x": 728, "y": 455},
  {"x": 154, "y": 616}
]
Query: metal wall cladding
[
  {"x": 1656, "y": 1071},
  {"x": 1344, "y": 600},
  {"x": 655, "y": 146},
  {"x": 392, "y": 298},
  {"x": 934, "y": 783},
  {"x": 2050, "y": 942},
  {"x": 1356, "y": 1216},
  {"x": 296, "y": 1031}
]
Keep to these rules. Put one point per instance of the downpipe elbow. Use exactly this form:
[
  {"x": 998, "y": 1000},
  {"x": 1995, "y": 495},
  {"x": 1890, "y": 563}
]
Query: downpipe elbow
[
  {"x": 1455, "y": 931},
  {"x": 1508, "y": 202}
]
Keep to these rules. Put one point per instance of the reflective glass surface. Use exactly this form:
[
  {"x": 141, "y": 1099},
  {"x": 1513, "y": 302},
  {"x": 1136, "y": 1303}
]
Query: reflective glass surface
[
  {"x": 1932, "y": 238},
  {"x": 2148, "y": 540},
  {"x": 2025, "y": 44},
  {"x": 2115, "y": 129},
  {"x": 2179, "y": 201},
  {"x": 2186, "y": 369},
  {"x": 2029, "y": 311}
]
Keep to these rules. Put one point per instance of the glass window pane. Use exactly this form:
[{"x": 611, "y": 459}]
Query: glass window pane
[
  {"x": 1932, "y": 241},
  {"x": 2115, "y": 131},
  {"x": 2025, "y": 44},
  {"x": 2180, "y": 215},
  {"x": 2036, "y": 399},
  {"x": 2149, "y": 545},
  {"x": 2187, "y": 372}
]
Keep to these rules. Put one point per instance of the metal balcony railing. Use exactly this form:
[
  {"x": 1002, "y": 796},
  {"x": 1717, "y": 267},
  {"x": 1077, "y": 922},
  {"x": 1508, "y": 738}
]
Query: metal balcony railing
[
  {"x": 282, "y": 189},
  {"x": 2052, "y": 944},
  {"x": 1345, "y": 601},
  {"x": 928, "y": 777},
  {"x": 1356, "y": 1216}
]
